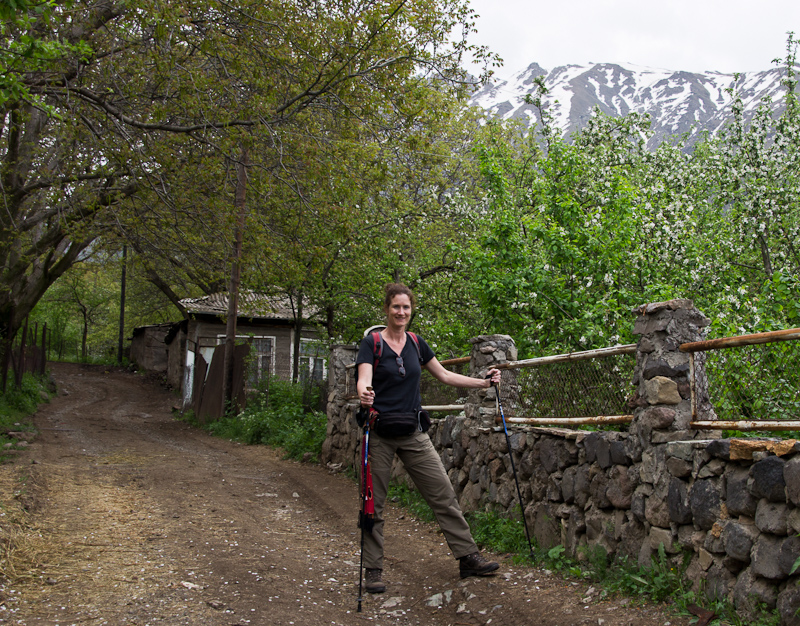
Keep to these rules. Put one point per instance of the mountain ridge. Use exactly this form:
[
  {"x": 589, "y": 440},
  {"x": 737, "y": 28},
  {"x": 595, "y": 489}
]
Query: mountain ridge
[{"x": 678, "y": 102}]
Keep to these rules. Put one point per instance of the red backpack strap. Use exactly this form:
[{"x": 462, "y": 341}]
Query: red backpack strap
[
  {"x": 377, "y": 347},
  {"x": 415, "y": 339}
]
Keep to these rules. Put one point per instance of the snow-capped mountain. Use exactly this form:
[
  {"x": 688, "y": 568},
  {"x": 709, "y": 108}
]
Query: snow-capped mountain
[{"x": 678, "y": 102}]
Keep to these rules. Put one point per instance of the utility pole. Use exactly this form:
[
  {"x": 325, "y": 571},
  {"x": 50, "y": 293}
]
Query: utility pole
[{"x": 122, "y": 283}]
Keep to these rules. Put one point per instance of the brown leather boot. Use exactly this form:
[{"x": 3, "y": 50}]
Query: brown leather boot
[
  {"x": 374, "y": 584},
  {"x": 475, "y": 565}
]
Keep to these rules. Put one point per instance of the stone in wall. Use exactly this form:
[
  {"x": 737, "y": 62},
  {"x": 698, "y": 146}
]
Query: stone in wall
[
  {"x": 568, "y": 484},
  {"x": 772, "y": 517},
  {"x": 598, "y": 488},
  {"x": 768, "y": 481},
  {"x": 791, "y": 476},
  {"x": 546, "y": 527},
  {"x": 766, "y": 554},
  {"x": 621, "y": 485},
  {"x": 574, "y": 530},
  {"x": 790, "y": 552},
  {"x": 604, "y": 528},
  {"x": 789, "y": 605},
  {"x": 678, "y": 467},
  {"x": 738, "y": 537},
  {"x": 705, "y": 502},
  {"x": 719, "y": 582},
  {"x": 555, "y": 454},
  {"x": 680, "y": 512},
  {"x": 632, "y": 536},
  {"x": 661, "y": 390},
  {"x": 738, "y": 498},
  {"x": 751, "y": 591},
  {"x": 583, "y": 482}
]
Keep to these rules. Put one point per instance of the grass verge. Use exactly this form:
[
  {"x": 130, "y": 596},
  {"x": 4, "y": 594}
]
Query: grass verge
[
  {"x": 279, "y": 417},
  {"x": 17, "y": 405}
]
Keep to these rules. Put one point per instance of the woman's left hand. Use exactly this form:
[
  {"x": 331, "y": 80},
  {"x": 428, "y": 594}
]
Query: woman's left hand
[{"x": 493, "y": 375}]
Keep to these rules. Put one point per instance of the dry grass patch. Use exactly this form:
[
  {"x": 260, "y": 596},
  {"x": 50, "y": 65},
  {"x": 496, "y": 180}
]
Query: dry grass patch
[{"x": 22, "y": 543}]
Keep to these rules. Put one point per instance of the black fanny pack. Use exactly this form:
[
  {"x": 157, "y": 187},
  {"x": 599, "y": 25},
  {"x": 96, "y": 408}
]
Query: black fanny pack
[{"x": 401, "y": 424}]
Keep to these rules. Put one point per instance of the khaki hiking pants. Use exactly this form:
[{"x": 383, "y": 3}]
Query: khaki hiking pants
[{"x": 425, "y": 468}]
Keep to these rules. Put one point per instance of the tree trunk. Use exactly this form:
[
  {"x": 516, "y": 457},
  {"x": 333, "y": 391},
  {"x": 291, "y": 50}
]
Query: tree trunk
[
  {"x": 233, "y": 290},
  {"x": 298, "y": 331}
]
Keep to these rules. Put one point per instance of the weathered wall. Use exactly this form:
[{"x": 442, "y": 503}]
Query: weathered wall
[
  {"x": 732, "y": 505},
  {"x": 148, "y": 350}
]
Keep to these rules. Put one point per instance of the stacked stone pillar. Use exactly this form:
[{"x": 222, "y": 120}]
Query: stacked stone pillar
[
  {"x": 663, "y": 404},
  {"x": 488, "y": 351},
  {"x": 662, "y": 414},
  {"x": 342, "y": 435}
]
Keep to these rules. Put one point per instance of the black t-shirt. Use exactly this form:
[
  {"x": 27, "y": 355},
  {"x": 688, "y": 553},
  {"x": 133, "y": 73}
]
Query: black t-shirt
[{"x": 395, "y": 393}]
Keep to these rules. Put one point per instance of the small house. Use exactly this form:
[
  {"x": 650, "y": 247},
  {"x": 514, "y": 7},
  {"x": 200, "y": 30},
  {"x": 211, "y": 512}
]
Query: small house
[{"x": 264, "y": 323}]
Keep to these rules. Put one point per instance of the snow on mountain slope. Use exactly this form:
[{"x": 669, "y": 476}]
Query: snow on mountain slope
[{"x": 677, "y": 102}]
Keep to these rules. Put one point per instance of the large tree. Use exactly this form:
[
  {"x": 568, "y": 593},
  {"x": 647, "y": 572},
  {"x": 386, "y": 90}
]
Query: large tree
[{"x": 136, "y": 122}]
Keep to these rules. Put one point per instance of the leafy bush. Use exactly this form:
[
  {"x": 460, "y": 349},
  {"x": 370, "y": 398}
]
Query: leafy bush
[
  {"x": 17, "y": 405},
  {"x": 277, "y": 417}
]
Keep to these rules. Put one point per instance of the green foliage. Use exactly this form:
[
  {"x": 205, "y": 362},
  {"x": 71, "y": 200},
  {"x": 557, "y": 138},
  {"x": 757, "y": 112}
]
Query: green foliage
[
  {"x": 17, "y": 405},
  {"x": 277, "y": 417},
  {"x": 23, "y": 401},
  {"x": 498, "y": 533},
  {"x": 410, "y": 499},
  {"x": 577, "y": 233}
]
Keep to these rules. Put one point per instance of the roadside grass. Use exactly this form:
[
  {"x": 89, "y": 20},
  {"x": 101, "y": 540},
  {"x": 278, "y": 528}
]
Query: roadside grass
[
  {"x": 16, "y": 408},
  {"x": 278, "y": 416},
  {"x": 21, "y": 544},
  {"x": 664, "y": 582}
]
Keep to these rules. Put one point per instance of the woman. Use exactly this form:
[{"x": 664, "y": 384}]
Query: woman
[{"x": 390, "y": 384}]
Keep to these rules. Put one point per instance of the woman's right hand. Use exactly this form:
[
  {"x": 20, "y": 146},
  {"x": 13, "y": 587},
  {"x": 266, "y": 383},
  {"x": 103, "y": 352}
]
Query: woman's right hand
[{"x": 367, "y": 397}]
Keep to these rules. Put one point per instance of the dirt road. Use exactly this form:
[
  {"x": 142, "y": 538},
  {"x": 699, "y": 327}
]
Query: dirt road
[{"x": 141, "y": 519}]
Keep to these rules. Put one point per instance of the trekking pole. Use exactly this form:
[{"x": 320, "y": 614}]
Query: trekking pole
[
  {"x": 361, "y": 513},
  {"x": 513, "y": 469},
  {"x": 366, "y": 510}
]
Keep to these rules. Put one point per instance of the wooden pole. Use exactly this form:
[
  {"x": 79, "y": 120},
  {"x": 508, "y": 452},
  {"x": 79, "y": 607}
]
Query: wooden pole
[
  {"x": 21, "y": 363},
  {"x": 7, "y": 357},
  {"x": 122, "y": 282},
  {"x": 43, "y": 361}
]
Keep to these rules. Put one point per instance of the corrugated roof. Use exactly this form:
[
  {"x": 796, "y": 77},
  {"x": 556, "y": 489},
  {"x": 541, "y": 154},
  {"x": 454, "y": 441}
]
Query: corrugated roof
[{"x": 253, "y": 305}]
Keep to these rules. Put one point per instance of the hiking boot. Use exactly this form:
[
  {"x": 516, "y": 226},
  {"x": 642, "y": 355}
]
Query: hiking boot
[
  {"x": 374, "y": 584},
  {"x": 475, "y": 565}
]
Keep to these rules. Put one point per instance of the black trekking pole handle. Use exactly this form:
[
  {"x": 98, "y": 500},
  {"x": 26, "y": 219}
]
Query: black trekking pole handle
[{"x": 513, "y": 468}]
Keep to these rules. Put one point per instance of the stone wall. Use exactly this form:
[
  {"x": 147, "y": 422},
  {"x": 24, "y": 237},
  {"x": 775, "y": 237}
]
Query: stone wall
[{"x": 729, "y": 506}]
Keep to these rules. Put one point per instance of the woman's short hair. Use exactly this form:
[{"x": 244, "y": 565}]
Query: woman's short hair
[{"x": 395, "y": 289}]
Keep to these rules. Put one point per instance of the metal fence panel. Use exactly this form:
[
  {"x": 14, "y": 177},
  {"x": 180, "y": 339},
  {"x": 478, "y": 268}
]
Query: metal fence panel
[{"x": 579, "y": 388}]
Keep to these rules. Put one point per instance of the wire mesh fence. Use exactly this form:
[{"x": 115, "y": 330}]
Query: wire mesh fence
[
  {"x": 435, "y": 393},
  {"x": 586, "y": 387},
  {"x": 752, "y": 382}
]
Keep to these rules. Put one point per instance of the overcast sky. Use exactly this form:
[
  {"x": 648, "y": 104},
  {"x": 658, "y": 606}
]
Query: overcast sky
[{"x": 693, "y": 35}]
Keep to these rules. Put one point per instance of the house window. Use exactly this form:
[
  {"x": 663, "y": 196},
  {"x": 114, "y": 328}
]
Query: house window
[
  {"x": 262, "y": 355},
  {"x": 261, "y": 361},
  {"x": 312, "y": 363}
]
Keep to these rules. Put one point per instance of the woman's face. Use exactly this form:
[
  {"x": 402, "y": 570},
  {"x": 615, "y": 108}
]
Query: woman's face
[{"x": 398, "y": 313}]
